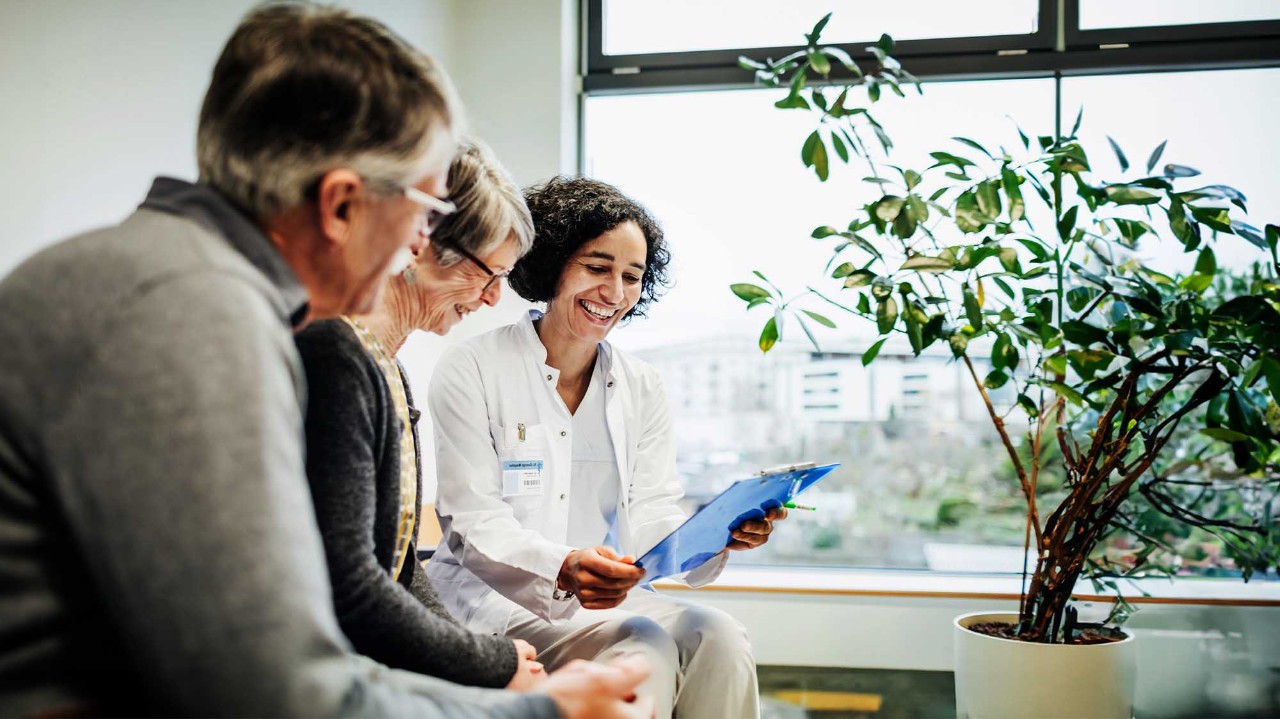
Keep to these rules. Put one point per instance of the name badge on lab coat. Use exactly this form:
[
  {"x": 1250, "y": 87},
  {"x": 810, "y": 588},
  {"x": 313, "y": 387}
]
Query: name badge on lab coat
[{"x": 521, "y": 477}]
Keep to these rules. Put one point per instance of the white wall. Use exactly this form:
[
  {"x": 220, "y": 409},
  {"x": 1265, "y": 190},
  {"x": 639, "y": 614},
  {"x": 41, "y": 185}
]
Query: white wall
[{"x": 100, "y": 97}]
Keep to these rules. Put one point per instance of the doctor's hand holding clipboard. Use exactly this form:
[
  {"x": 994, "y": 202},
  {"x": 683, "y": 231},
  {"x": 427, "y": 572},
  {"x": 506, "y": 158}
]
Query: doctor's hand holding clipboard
[{"x": 600, "y": 579}]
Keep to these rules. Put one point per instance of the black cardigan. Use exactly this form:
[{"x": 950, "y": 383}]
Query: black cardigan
[{"x": 353, "y": 450}]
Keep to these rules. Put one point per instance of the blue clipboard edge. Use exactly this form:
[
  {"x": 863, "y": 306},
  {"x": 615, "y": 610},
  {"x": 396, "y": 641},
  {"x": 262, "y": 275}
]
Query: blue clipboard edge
[{"x": 809, "y": 475}]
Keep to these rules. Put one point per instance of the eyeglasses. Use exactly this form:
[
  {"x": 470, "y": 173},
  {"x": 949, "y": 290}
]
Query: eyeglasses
[
  {"x": 494, "y": 277},
  {"x": 433, "y": 209}
]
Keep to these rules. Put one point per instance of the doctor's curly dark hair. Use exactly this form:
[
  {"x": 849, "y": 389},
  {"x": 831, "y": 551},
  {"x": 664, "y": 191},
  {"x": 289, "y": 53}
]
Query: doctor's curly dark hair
[{"x": 567, "y": 213}]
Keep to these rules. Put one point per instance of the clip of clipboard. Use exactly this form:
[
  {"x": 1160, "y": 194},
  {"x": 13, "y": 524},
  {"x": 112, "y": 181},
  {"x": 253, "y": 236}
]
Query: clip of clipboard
[{"x": 706, "y": 533}]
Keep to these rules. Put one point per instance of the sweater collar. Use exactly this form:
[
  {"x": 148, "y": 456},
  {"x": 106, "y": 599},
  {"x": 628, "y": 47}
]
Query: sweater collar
[{"x": 202, "y": 204}]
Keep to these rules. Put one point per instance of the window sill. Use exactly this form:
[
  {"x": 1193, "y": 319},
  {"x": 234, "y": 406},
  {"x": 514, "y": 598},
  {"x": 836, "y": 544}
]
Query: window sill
[{"x": 942, "y": 585}]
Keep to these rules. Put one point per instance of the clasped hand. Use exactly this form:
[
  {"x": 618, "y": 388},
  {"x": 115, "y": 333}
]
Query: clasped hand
[
  {"x": 755, "y": 532},
  {"x": 598, "y": 577}
]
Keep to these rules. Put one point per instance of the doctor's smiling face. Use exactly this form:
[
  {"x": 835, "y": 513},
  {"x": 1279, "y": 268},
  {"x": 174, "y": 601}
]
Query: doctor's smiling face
[{"x": 600, "y": 284}]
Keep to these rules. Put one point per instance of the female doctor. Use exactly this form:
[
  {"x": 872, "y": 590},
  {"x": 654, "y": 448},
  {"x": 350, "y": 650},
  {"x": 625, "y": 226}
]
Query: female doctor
[{"x": 556, "y": 467}]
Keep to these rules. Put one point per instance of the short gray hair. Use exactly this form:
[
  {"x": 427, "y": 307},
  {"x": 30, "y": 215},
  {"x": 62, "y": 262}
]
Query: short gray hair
[
  {"x": 491, "y": 208},
  {"x": 304, "y": 89}
]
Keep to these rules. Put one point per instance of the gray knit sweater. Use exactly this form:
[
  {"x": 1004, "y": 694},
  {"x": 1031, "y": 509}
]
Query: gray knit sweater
[
  {"x": 353, "y": 462},
  {"x": 158, "y": 547}
]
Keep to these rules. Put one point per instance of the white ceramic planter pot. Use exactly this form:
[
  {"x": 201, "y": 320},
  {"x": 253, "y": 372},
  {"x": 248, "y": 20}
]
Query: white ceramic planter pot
[{"x": 1005, "y": 678}]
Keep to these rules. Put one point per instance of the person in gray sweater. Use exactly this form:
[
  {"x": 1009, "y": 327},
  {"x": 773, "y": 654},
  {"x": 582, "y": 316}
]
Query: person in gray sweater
[
  {"x": 363, "y": 457},
  {"x": 158, "y": 548}
]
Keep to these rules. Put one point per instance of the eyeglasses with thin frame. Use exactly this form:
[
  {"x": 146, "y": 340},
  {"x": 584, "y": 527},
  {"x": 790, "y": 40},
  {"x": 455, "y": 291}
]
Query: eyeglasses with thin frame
[
  {"x": 433, "y": 209},
  {"x": 494, "y": 277}
]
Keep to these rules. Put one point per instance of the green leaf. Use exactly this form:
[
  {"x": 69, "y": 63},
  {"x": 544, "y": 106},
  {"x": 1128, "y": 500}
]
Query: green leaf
[
  {"x": 769, "y": 335},
  {"x": 972, "y": 310},
  {"x": 881, "y": 288},
  {"x": 974, "y": 145},
  {"x": 917, "y": 208},
  {"x": 1089, "y": 362},
  {"x": 995, "y": 379},
  {"x": 1075, "y": 129},
  {"x": 1017, "y": 206},
  {"x": 1003, "y": 353},
  {"x": 841, "y": 150},
  {"x": 859, "y": 278},
  {"x": 1005, "y": 288},
  {"x": 825, "y": 322},
  {"x": 1009, "y": 259},
  {"x": 759, "y": 301},
  {"x": 1273, "y": 236},
  {"x": 1124, "y": 161},
  {"x": 1225, "y": 435},
  {"x": 1079, "y": 297},
  {"x": 1206, "y": 263},
  {"x": 1131, "y": 195},
  {"x": 1250, "y": 233},
  {"x": 843, "y": 270},
  {"x": 1067, "y": 393},
  {"x": 1180, "y": 171},
  {"x": 864, "y": 304},
  {"x": 870, "y": 355},
  {"x": 1056, "y": 364},
  {"x": 1155, "y": 156},
  {"x": 888, "y": 207},
  {"x": 989, "y": 199},
  {"x": 921, "y": 263},
  {"x": 844, "y": 59},
  {"x": 807, "y": 149},
  {"x": 747, "y": 291},
  {"x": 819, "y": 63},
  {"x": 1271, "y": 370},
  {"x": 886, "y": 315},
  {"x": 959, "y": 343},
  {"x": 969, "y": 219},
  {"x": 824, "y": 232},
  {"x": 1185, "y": 231},
  {"x": 912, "y": 178},
  {"x": 1213, "y": 217},
  {"x": 816, "y": 33},
  {"x": 809, "y": 333},
  {"x": 1067, "y": 225}
]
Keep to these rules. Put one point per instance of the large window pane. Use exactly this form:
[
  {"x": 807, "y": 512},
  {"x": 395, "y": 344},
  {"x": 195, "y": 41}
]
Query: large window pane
[
  {"x": 651, "y": 26},
  {"x": 923, "y": 484},
  {"x": 1101, "y": 14},
  {"x": 1220, "y": 122}
]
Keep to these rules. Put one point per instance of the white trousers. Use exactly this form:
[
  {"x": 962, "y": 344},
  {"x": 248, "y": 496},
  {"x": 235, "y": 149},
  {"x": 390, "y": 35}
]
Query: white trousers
[{"x": 703, "y": 667}]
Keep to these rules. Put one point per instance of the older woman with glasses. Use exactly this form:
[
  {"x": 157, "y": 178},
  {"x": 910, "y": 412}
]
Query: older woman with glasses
[{"x": 362, "y": 442}]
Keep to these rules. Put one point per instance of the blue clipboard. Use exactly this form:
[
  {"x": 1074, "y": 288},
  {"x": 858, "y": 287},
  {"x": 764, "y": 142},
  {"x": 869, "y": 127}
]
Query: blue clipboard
[{"x": 706, "y": 533}]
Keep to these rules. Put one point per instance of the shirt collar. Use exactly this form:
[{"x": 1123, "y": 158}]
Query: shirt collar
[
  {"x": 210, "y": 208},
  {"x": 533, "y": 344}
]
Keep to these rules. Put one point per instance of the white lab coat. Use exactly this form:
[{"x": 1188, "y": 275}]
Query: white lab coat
[{"x": 497, "y": 551}]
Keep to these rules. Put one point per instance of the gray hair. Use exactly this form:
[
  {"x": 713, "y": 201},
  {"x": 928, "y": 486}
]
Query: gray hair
[
  {"x": 303, "y": 89},
  {"x": 491, "y": 208}
]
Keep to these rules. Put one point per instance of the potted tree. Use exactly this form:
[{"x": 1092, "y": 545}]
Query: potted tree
[{"x": 1133, "y": 381}]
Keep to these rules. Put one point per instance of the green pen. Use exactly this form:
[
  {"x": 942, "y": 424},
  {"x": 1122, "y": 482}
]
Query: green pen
[{"x": 793, "y": 505}]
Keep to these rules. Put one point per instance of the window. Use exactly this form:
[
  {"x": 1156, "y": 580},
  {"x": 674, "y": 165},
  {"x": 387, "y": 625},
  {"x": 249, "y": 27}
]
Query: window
[
  {"x": 633, "y": 27},
  {"x": 1099, "y": 14},
  {"x": 925, "y": 483}
]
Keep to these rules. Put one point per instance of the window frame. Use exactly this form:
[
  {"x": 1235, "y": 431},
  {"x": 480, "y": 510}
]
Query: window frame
[{"x": 1058, "y": 48}]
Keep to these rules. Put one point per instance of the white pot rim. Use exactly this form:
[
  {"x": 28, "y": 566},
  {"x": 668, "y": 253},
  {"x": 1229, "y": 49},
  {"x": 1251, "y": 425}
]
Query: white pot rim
[{"x": 999, "y": 616}]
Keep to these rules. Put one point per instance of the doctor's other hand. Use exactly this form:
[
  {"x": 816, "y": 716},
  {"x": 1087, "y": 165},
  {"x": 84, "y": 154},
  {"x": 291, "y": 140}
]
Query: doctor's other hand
[
  {"x": 590, "y": 690},
  {"x": 530, "y": 673},
  {"x": 598, "y": 577},
  {"x": 755, "y": 532}
]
